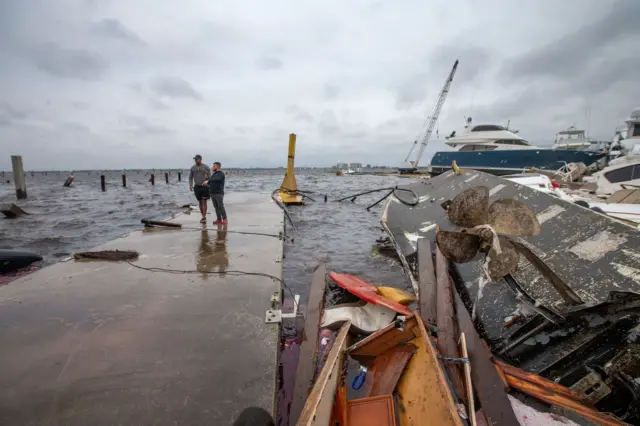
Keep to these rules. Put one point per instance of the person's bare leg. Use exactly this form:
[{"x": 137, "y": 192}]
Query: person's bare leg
[{"x": 203, "y": 208}]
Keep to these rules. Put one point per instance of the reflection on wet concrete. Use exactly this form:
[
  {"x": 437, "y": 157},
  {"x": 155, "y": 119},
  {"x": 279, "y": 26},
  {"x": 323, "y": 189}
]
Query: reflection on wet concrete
[
  {"x": 104, "y": 343},
  {"x": 213, "y": 254}
]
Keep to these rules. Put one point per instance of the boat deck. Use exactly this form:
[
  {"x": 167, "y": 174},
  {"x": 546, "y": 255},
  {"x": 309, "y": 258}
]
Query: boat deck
[{"x": 104, "y": 343}]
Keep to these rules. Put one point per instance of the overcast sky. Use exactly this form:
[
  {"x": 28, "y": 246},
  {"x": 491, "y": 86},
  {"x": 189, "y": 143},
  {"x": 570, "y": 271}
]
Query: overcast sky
[{"x": 148, "y": 83}]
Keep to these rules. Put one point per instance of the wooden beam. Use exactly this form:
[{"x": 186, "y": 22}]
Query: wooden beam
[
  {"x": 322, "y": 395},
  {"x": 427, "y": 288},
  {"x": 447, "y": 328},
  {"x": 471, "y": 407},
  {"x": 309, "y": 344},
  {"x": 387, "y": 368},
  {"x": 541, "y": 381},
  {"x": 488, "y": 384},
  {"x": 546, "y": 395},
  {"x": 383, "y": 340}
]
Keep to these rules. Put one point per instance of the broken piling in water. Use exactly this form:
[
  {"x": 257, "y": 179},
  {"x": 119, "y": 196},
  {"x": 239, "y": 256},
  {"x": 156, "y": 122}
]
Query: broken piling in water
[{"x": 18, "y": 177}]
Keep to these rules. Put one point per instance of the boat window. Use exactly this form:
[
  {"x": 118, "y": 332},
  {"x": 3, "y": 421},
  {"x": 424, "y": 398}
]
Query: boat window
[
  {"x": 487, "y": 128},
  {"x": 624, "y": 174},
  {"x": 636, "y": 129},
  {"x": 511, "y": 142},
  {"x": 477, "y": 148}
]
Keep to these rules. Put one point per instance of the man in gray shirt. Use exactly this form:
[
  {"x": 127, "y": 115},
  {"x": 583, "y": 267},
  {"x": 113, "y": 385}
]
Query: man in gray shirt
[{"x": 197, "y": 176}]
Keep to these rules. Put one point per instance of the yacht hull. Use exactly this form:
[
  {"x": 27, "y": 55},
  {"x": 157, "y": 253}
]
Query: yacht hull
[{"x": 510, "y": 161}]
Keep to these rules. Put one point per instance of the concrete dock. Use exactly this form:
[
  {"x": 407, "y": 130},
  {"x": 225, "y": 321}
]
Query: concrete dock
[{"x": 106, "y": 343}]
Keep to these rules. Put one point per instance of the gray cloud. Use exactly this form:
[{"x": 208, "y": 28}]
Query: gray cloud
[
  {"x": 299, "y": 114},
  {"x": 331, "y": 91},
  {"x": 349, "y": 93},
  {"x": 69, "y": 63},
  {"x": 570, "y": 55},
  {"x": 269, "y": 63},
  {"x": 143, "y": 126},
  {"x": 411, "y": 92},
  {"x": 175, "y": 88},
  {"x": 113, "y": 28}
]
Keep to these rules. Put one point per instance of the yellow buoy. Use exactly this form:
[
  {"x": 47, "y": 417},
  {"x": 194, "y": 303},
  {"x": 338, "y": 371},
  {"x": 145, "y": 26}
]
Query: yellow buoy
[{"x": 289, "y": 189}]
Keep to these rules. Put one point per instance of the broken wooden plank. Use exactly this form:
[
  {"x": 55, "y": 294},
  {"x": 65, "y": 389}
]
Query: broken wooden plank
[
  {"x": 489, "y": 386},
  {"x": 317, "y": 407},
  {"x": 424, "y": 395},
  {"x": 471, "y": 407},
  {"x": 309, "y": 342},
  {"x": 447, "y": 329},
  {"x": 541, "y": 381},
  {"x": 151, "y": 222},
  {"x": 387, "y": 368},
  {"x": 426, "y": 282},
  {"x": 383, "y": 340},
  {"x": 546, "y": 395}
]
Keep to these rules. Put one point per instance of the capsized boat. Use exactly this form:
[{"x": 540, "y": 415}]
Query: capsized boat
[
  {"x": 12, "y": 260},
  {"x": 497, "y": 150},
  {"x": 568, "y": 313}
]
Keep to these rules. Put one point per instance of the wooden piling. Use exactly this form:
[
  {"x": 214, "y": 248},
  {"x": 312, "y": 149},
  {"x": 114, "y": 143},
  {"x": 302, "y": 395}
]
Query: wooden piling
[
  {"x": 67, "y": 183},
  {"x": 124, "y": 180},
  {"x": 179, "y": 176},
  {"x": 166, "y": 178},
  {"x": 18, "y": 177},
  {"x": 152, "y": 179},
  {"x": 103, "y": 183}
]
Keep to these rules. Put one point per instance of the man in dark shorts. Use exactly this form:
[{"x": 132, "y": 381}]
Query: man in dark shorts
[
  {"x": 198, "y": 177},
  {"x": 216, "y": 189}
]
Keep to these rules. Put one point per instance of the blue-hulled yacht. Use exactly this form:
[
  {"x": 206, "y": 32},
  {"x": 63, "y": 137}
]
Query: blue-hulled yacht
[{"x": 497, "y": 150}]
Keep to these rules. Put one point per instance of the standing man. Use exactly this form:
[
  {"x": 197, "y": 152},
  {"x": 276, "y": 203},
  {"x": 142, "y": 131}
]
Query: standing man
[
  {"x": 216, "y": 189},
  {"x": 199, "y": 175}
]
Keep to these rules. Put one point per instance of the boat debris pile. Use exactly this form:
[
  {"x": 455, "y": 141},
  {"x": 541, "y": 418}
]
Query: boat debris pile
[{"x": 545, "y": 292}]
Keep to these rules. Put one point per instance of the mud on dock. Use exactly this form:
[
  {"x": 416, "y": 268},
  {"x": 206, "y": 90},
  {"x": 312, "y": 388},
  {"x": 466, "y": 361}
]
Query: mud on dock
[{"x": 94, "y": 342}]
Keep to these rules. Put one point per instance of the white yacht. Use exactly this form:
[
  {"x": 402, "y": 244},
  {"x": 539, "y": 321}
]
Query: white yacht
[
  {"x": 487, "y": 137},
  {"x": 571, "y": 138},
  {"x": 627, "y": 138},
  {"x": 499, "y": 150}
]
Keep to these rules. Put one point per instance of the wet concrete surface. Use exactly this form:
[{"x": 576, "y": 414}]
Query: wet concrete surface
[{"x": 107, "y": 343}]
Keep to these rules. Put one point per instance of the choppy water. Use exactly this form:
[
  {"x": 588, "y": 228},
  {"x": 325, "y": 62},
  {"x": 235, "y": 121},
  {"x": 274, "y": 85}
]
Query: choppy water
[{"x": 65, "y": 220}]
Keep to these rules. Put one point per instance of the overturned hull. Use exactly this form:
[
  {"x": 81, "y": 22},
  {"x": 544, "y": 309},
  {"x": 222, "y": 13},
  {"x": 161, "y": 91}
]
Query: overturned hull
[{"x": 570, "y": 312}]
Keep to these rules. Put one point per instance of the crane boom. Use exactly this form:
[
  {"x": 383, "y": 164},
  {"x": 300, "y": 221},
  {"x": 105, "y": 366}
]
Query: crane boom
[{"x": 432, "y": 121}]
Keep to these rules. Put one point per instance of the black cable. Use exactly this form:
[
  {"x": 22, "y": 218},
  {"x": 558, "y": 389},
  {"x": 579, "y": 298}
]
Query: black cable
[
  {"x": 298, "y": 192},
  {"x": 284, "y": 208},
  {"x": 234, "y": 232},
  {"x": 392, "y": 190},
  {"x": 229, "y": 272}
]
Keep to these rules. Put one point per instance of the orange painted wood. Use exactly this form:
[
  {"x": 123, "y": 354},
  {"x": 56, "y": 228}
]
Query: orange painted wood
[
  {"x": 374, "y": 411},
  {"x": 366, "y": 291},
  {"x": 543, "y": 394},
  {"x": 543, "y": 382}
]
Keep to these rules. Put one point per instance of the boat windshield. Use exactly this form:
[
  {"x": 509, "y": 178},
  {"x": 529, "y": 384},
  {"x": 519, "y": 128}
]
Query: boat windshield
[
  {"x": 624, "y": 174},
  {"x": 487, "y": 128}
]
